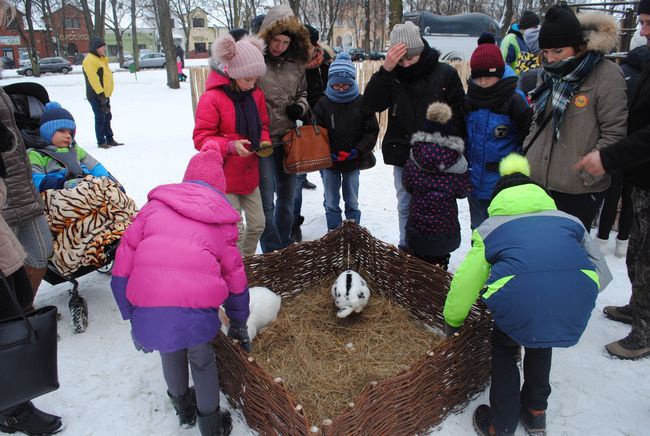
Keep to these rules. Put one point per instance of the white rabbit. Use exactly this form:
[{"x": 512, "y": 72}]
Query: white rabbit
[
  {"x": 350, "y": 293},
  {"x": 264, "y": 307}
]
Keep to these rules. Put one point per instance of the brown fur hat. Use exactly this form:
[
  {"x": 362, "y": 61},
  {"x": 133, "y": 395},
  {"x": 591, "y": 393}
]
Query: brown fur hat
[{"x": 281, "y": 21}]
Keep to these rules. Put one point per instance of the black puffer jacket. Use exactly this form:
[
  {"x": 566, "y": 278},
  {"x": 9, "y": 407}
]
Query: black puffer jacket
[
  {"x": 406, "y": 93},
  {"x": 632, "y": 154},
  {"x": 349, "y": 126}
]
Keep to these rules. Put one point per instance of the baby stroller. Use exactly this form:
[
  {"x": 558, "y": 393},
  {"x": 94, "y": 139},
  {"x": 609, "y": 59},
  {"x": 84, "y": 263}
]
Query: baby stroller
[{"x": 29, "y": 101}]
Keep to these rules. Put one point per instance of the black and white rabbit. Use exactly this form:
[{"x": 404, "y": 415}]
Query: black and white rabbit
[{"x": 350, "y": 293}]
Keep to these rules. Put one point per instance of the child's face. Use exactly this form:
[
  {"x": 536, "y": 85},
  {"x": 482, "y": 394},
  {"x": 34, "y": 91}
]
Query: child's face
[
  {"x": 62, "y": 138},
  {"x": 340, "y": 87},
  {"x": 486, "y": 82},
  {"x": 246, "y": 84}
]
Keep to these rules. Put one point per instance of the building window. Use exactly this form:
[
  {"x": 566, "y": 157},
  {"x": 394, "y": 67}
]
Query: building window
[
  {"x": 72, "y": 23},
  {"x": 199, "y": 47},
  {"x": 198, "y": 22}
]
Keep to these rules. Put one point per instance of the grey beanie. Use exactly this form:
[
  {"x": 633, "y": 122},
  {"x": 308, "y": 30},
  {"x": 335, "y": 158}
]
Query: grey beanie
[{"x": 409, "y": 34}]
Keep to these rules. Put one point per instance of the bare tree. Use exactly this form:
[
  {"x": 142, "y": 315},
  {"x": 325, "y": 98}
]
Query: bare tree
[
  {"x": 118, "y": 12},
  {"x": 167, "y": 41},
  {"x": 134, "y": 34},
  {"x": 98, "y": 12},
  {"x": 30, "y": 37},
  {"x": 45, "y": 9},
  {"x": 395, "y": 16},
  {"x": 182, "y": 10}
]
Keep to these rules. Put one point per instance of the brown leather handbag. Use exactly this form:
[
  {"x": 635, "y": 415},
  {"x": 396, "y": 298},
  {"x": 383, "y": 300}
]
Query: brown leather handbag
[{"x": 306, "y": 149}]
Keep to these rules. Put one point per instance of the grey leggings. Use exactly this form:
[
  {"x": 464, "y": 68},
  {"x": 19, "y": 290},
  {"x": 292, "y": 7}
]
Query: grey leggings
[{"x": 204, "y": 374}]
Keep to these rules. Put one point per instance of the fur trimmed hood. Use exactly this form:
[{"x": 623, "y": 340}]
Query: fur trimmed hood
[
  {"x": 455, "y": 143},
  {"x": 280, "y": 20},
  {"x": 600, "y": 30}
]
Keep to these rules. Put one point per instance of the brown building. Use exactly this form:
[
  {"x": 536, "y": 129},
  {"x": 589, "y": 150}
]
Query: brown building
[
  {"x": 12, "y": 43},
  {"x": 69, "y": 26}
]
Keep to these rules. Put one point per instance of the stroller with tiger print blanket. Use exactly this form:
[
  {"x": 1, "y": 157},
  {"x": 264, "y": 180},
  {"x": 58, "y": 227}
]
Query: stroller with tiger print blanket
[{"x": 87, "y": 221}]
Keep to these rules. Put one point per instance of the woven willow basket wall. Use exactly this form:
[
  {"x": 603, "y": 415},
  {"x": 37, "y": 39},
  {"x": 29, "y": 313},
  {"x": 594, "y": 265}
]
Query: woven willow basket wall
[{"x": 442, "y": 381}]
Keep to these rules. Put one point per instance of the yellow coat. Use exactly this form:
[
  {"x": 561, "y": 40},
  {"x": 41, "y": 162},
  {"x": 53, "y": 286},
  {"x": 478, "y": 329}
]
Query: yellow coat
[{"x": 99, "y": 78}]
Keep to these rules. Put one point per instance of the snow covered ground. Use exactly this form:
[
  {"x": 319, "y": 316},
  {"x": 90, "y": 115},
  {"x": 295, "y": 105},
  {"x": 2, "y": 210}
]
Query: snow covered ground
[{"x": 107, "y": 388}]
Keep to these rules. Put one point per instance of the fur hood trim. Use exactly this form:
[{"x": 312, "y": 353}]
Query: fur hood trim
[
  {"x": 600, "y": 30},
  {"x": 452, "y": 142},
  {"x": 283, "y": 22}
]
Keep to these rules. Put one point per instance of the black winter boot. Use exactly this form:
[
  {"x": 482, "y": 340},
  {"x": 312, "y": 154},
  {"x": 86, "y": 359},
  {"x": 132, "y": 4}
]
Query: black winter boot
[
  {"x": 296, "y": 232},
  {"x": 28, "y": 419},
  {"x": 217, "y": 424},
  {"x": 535, "y": 425},
  {"x": 185, "y": 407}
]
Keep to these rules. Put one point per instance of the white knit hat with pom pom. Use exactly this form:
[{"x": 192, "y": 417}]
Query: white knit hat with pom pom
[{"x": 242, "y": 59}]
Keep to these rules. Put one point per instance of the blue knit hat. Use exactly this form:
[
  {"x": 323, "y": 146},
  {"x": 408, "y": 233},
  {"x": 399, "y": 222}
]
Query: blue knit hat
[
  {"x": 342, "y": 70},
  {"x": 54, "y": 118}
]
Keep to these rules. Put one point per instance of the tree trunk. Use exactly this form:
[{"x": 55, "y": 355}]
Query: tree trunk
[
  {"x": 366, "y": 39},
  {"x": 64, "y": 48},
  {"x": 118, "y": 33},
  {"x": 295, "y": 6},
  {"x": 507, "y": 17},
  {"x": 46, "y": 10},
  {"x": 134, "y": 34},
  {"x": 33, "y": 53},
  {"x": 167, "y": 40},
  {"x": 395, "y": 16},
  {"x": 87, "y": 18},
  {"x": 100, "y": 18}
]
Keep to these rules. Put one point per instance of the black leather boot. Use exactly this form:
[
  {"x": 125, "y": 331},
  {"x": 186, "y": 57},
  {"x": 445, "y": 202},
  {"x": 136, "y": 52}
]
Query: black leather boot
[
  {"x": 216, "y": 424},
  {"x": 28, "y": 419}
]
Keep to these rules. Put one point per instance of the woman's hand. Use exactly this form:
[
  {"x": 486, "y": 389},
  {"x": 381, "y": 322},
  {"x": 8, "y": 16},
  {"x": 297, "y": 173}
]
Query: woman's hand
[{"x": 394, "y": 55}]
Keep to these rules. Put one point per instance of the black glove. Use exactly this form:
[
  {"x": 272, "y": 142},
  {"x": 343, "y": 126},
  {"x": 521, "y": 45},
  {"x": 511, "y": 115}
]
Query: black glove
[
  {"x": 294, "y": 111},
  {"x": 449, "y": 330},
  {"x": 240, "y": 332},
  {"x": 104, "y": 103}
]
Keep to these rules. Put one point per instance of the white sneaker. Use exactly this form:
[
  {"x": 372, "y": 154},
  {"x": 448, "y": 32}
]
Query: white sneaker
[{"x": 621, "y": 248}]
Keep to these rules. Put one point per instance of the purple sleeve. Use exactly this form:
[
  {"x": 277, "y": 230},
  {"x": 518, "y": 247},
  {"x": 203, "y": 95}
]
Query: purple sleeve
[
  {"x": 237, "y": 307},
  {"x": 118, "y": 285}
]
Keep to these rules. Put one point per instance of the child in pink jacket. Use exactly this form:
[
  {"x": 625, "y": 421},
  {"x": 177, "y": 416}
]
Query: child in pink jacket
[
  {"x": 176, "y": 264},
  {"x": 232, "y": 113}
]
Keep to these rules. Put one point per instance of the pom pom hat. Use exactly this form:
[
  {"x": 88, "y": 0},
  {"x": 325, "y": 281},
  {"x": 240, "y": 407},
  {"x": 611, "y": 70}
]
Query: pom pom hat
[
  {"x": 487, "y": 61},
  {"x": 207, "y": 166},
  {"x": 241, "y": 59},
  {"x": 515, "y": 171},
  {"x": 54, "y": 118}
]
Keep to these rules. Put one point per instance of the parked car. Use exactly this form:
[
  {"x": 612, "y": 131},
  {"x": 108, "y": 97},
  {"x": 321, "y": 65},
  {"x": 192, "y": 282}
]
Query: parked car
[
  {"x": 47, "y": 65},
  {"x": 375, "y": 55},
  {"x": 149, "y": 60},
  {"x": 8, "y": 63},
  {"x": 358, "y": 54}
]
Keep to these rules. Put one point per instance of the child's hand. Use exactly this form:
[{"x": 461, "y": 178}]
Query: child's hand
[
  {"x": 241, "y": 149},
  {"x": 240, "y": 332}
]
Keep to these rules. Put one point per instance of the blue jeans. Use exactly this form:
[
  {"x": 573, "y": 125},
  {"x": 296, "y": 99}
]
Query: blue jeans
[
  {"x": 278, "y": 212},
  {"x": 103, "y": 130},
  {"x": 333, "y": 180},
  {"x": 477, "y": 210},
  {"x": 403, "y": 202},
  {"x": 297, "y": 202}
]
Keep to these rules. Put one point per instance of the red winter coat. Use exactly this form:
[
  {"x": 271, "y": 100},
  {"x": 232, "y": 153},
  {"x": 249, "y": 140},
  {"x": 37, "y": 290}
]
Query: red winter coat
[{"x": 215, "y": 121}]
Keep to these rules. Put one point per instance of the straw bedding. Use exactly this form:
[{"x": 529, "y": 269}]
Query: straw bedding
[{"x": 326, "y": 361}]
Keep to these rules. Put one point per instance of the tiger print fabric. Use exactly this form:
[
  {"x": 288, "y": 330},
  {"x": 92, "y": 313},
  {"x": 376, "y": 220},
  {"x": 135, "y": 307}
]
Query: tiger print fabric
[{"x": 85, "y": 220}]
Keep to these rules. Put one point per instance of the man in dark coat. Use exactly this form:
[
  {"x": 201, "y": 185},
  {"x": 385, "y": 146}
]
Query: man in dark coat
[
  {"x": 632, "y": 157},
  {"x": 409, "y": 81}
]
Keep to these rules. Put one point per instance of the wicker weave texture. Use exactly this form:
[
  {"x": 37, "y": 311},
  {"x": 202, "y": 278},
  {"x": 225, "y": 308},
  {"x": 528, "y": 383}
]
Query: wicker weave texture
[{"x": 442, "y": 381}]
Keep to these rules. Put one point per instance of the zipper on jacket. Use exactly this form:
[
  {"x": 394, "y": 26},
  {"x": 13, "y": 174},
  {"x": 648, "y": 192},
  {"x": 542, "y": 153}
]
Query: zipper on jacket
[
  {"x": 332, "y": 122},
  {"x": 394, "y": 111}
]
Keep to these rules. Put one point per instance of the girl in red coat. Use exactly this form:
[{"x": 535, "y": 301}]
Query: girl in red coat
[{"x": 232, "y": 114}]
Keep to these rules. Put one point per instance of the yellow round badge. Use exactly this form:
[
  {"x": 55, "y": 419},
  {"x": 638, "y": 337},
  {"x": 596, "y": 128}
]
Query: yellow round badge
[{"x": 581, "y": 101}]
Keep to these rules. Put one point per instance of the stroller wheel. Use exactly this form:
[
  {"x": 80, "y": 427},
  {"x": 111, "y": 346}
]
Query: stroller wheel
[
  {"x": 78, "y": 313},
  {"x": 106, "y": 269}
]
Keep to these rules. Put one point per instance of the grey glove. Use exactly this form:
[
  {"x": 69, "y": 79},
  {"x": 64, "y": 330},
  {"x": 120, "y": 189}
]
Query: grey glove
[
  {"x": 240, "y": 332},
  {"x": 139, "y": 347},
  {"x": 449, "y": 330}
]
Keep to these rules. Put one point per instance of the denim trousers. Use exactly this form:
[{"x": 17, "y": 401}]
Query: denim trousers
[
  {"x": 278, "y": 190},
  {"x": 403, "y": 202},
  {"x": 478, "y": 210},
  {"x": 297, "y": 202},
  {"x": 333, "y": 181},
  {"x": 103, "y": 130}
]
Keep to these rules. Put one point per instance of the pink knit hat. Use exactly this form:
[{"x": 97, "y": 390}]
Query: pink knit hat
[
  {"x": 207, "y": 166},
  {"x": 242, "y": 59}
]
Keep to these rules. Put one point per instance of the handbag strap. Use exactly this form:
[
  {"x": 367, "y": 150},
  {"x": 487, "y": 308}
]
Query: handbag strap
[
  {"x": 539, "y": 132},
  {"x": 12, "y": 293}
]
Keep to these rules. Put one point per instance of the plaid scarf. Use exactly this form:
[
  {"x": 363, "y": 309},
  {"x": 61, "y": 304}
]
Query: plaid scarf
[{"x": 560, "y": 81}]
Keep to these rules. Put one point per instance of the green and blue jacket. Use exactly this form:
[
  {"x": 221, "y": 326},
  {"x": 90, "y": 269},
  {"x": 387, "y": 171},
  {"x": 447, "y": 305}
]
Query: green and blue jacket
[{"x": 536, "y": 268}]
